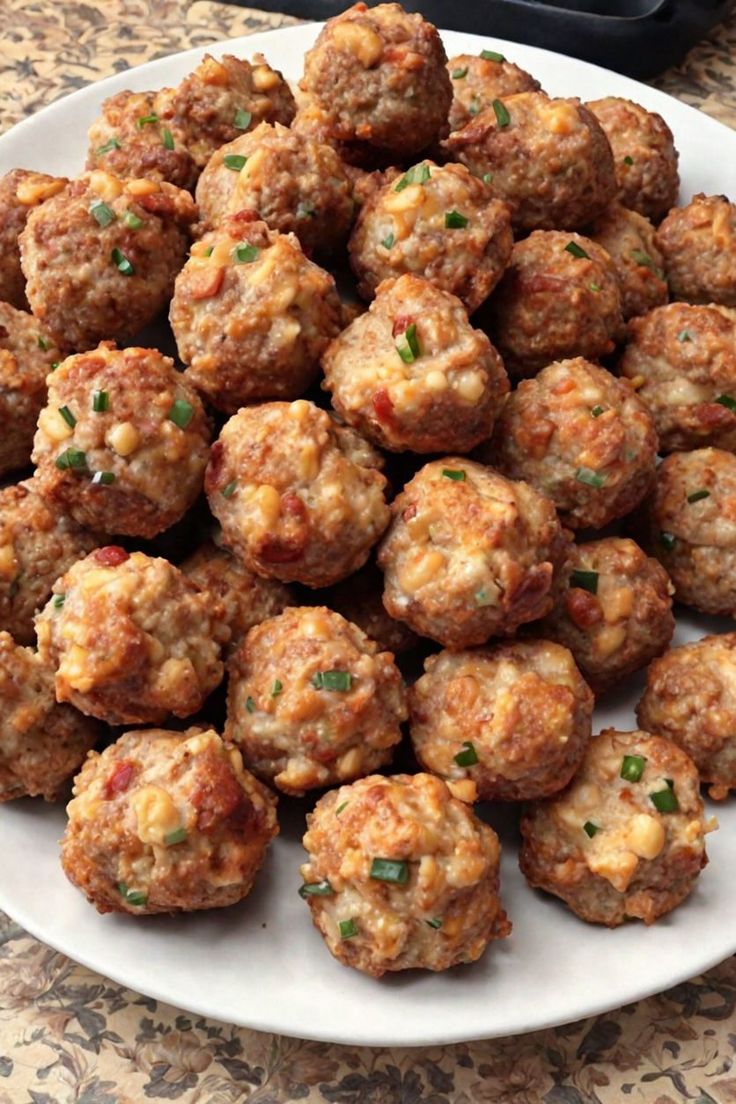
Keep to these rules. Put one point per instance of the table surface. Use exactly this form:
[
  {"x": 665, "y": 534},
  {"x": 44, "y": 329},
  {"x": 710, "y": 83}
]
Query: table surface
[{"x": 68, "y": 1035}]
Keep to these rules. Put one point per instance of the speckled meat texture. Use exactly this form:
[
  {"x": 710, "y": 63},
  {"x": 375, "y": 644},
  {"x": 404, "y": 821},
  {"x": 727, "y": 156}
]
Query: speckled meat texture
[
  {"x": 436, "y": 221},
  {"x": 412, "y": 373},
  {"x": 27, "y": 353},
  {"x": 469, "y": 554},
  {"x": 20, "y": 191},
  {"x": 131, "y": 638},
  {"x": 629, "y": 240},
  {"x": 359, "y": 599},
  {"x": 477, "y": 81},
  {"x": 510, "y": 723},
  {"x": 298, "y": 498},
  {"x": 252, "y": 315},
  {"x": 123, "y": 441},
  {"x": 167, "y": 822},
  {"x": 698, "y": 243},
  {"x": 548, "y": 159},
  {"x": 605, "y": 847},
  {"x": 445, "y": 909}
]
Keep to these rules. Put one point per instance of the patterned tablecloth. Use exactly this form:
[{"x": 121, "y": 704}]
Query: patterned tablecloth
[{"x": 68, "y": 1035}]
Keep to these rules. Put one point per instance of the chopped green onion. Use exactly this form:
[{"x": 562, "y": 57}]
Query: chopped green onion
[
  {"x": 390, "y": 870},
  {"x": 482, "y": 597},
  {"x": 209, "y": 251},
  {"x": 167, "y": 138},
  {"x": 597, "y": 411},
  {"x": 242, "y": 119},
  {"x": 502, "y": 116},
  {"x": 632, "y": 767},
  {"x": 71, "y": 458},
  {"x": 435, "y": 922},
  {"x": 388, "y": 241},
  {"x": 181, "y": 413},
  {"x": 417, "y": 174},
  {"x": 697, "y": 496},
  {"x": 104, "y": 477},
  {"x": 340, "y": 808},
  {"x": 586, "y": 580},
  {"x": 595, "y": 287},
  {"x": 229, "y": 490},
  {"x": 474, "y": 106},
  {"x": 245, "y": 254},
  {"x": 684, "y": 335},
  {"x": 144, "y": 120},
  {"x": 250, "y": 705},
  {"x": 468, "y": 757},
  {"x": 454, "y": 473},
  {"x": 411, "y": 350},
  {"x": 590, "y": 828},
  {"x": 42, "y": 343},
  {"x": 55, "y": 364},
  {"x": 458, "y": 74},
  {"x": 315, "y": 889},
  {"x": 306, "y": 210},
  {"x": 122, "y": 263},
  {"x": 628, "y": 160},
  {"x": 727, "y": 401},
  {"x": 100, "y": 401},
  {"x": 234, "y": 161},
  {"x": 487, "y": 178},
  {"x": 179, "y": 835},
  {"x": 576, "y": 250},
  {"x": 102, "y": 214},
  {"x": 348, "y": 928},
  {"x": 111, "y": 144},
  {"x": 491, "y": 55},
  {"x": 341, "y": 681},
  {"x": 68, "y": 416},
  {"x": 665, "y": 801},
  {"x": 276, "y": 688},
  {"x": 644, "y": 259},
  {"x": 455, "y": 221},
  {"x": 667, "y": 540},
  {"x": 592, "y": 478},
  {"x": 132, "y": 896},
  {"x": 59, "y": 601},
  {"x": 131, "y": 220}
]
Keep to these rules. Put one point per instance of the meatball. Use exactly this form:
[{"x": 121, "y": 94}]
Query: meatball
[
  {"x": 401, "y": 875},
  {"x": 692, "y": 527},
  {"x": 548, "y": 159},
  {"x": 626, "y": 839},
  {"x": 312, "y": 701},
  {"x": 379, "y": 76},
  {"x": 438, "y": 221},
  {"x": 222, "y": 98},
  {"x": 478, "y": 81},
  {"x": 682, "y": 361},
  {"x": 166, "y": 822},
  {"x": 469, "y": 554},
  {"x": 412, "y": 373},
  {"x": 690, "y": 699},
  {"x": 644, "y": 155},
  {"x": 698, "y": 243},
  {"x": 123, "y": 442},
  {"x": 294, "y": 183},
  {"x": 298, "y": 498},
  {"x": 512, "y": 720},
  {"x": 613, "y": 610},
  {"x": 559, "y": 298},
  {"x": 629, "y": 240},
  {"x": 251, "y": 315},
  {"x": 20, "y": 191},
  {"x": 359, "y": 600},
  {"x": 27, "y": 355},
  {"x": 100, "y": 257},
  {"x": 41, "y": 743},
  {"x": 131, "y": 638},
  {"x": 582, "y": 437}
]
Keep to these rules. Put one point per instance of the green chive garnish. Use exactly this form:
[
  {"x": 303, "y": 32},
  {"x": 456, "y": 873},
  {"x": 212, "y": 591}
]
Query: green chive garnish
[
  {"x": 590, "y": 828},
  {"x": 100, "y": 401},
  {"x": 111, "y": 144},
  {"x": 348, "y": 928},
  {"x": 502, "y": 116},
  {"x": 592, "y": 478},
  {"x": 667, "y": 540},
  {"x": 276, "y": 688},
  {"x": 435, "y": 922},
  {"x": 102, "y": 214},
  {"x": 71, "y": 458},
  {"x": 68, "y": 416},
  {"x": 209, "y": 251},
  {"x": 306, "y": 210},
  {"x": 181, "y": 413},
  {"x": 42, "y": 343},
  {"x": 698, "y": 496},
  {"x": 458, "y": 74},
  {"x": 242, "y": 119},
  {"x": 487, "y": 178},
  {"x": 388, "y": 241},
  {"x": 340, "y": 808},
  {"x": 122, "y": 263},
  {"x": 234, "y": 161},
  {"x": 576, "y": 250},
  {"x": 167, "y": 138},
  {"x": 229, "y": 490},
  {"x": 104, "y": 477},
  {"x": 628, "y": 160},
  {"x": 644, "y": 259},
  {"x": 474, "y": 106},
  {"x": 418, "y": 174},
  {"x": 491, "y": 55},
  {"x": 132, "y": 896},
  {"x": 245, "y": 254},
  {"x": 684, "y": 335},
  {"x": 55, "y": 364},
  {"x": 597, "y": 411},
  {"x": 250, "y": 705},
  {"x": 595, "y": 287},
  {"x": 455, "y": 221},
  {"x": 341, "y": 681},
  {"x": 59, "y": 600},
  {"x": 454, "y": 473},
  {"x": 482, "y": 597},
  {"x": 468, "y": 757},
  {"x": 144, "y": 120},
  {"x": 632, "y": 767},
  {"x": 586, "y": 580},
  {"x": 665, "y": 801},
  {"x": 390, "y": 870},
  {"x": 131, "y": 220},
  {"x": 727, "y": 401},
  {"x": 316, "y": 889},
  {"x": 411, "y": 350},
  {"x": 179, "y": 835}
]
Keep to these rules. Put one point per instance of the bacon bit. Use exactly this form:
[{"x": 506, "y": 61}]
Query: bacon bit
[
  {"x": 539, "y": 282},
  {"x": 240, "y": 221},
  {"x": 205, "y": 282},
  {"x": 119, "y": 779},
  {"x": 112, "y": 555},
  {"x": 280, "y": 550},
  {"x": 583, "y": 608},
  {"x": 383, "y": 407},
  {"x": 292, "y": 505},
  {"x": 402, "y": 323},
  {"x": 410, "y": 512},
  {"x": 213, "y": 475},
  {"x": 715, "y": 415},
  {"x": 220, "y": 798}
]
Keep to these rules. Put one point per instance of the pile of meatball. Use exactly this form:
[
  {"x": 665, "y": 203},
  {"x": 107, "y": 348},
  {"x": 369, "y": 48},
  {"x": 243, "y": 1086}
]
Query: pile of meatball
[{"x": 451, "y": 458}]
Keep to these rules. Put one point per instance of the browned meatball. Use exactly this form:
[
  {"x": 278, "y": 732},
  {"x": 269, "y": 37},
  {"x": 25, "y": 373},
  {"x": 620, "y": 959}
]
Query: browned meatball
[
  {"x": 412, "y": 373},
  {"x": 27, "y": 355},
  {"x": 479, "y": 80},
  {"x": 469, "y": 554},
  {"x": 613, "y": 610},
  {"x": 41, "y": 743},
  {"x": 252, "y": 315},
  {"x": 437, "y": 221},
  {"x": 131, "y": 638},
  {"x": 698, "y": 243},
  {"x": 644, "y": 155},
  {"x": 582, "y": 437},
  {"x": 629, "y": 240},
  {"x": 559, "y": 298},
  {"x": 359, "y": 599},
  {"x": 123, "y": 441},
  {"x": 401, "y": 875},
  {"x": 626, "y": 839},
  {"x": 511, "y": 721},
  {"x": 379, "y": 76},
  {"x": 682, "y": 361},
  {"x": 548, "y": 159},
  {"x": 298, "y": 498},
  {"x": 100, "y": 257},
  {"x": 20, "y": 191},
  {"x": 166, "y": 822}
]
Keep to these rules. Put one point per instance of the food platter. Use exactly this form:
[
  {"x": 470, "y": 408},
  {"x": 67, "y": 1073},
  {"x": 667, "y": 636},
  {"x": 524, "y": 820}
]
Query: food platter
[{"x": 261, "y": 964}]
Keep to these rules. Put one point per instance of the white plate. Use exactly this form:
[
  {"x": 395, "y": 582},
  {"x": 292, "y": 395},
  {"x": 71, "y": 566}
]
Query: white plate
[{"x": 261, "y": 964}]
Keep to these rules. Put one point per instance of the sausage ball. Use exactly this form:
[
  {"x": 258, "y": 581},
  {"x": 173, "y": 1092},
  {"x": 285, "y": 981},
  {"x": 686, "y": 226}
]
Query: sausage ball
[
  {"x": 359, "y": 599},
  {"x": 559, "y": 298},
  {"x": 298, "y": 498},
  {"x": 469, "y": 554},
  {"x": 412, "y": 373},
  {"x": 131, "y": 638},
  {"x": 123, "y": 441},
  {"x": 613, "y": 610},
  {"x": 312, "y": 701},
  {"x": 629, "y": 240},
  {"x": 548, "y": 159},
  {"x": 222, "y": 98},
  {"x": 682, "y": 361},
  {"x": 690, "y": 699},
  {"x": 100, "y": 257},
  {"x": 581, "y": 436},
  {"x": 379, "y": 75},
  {"x": 20, "y": 191},
  {"x": 251, "y": 315},
  {"x": 513, "y": 720},
  {"x": 478, "y": 81},
  {"x": 27, "y": 354},
  {"x": 698, "y": 243},
  {"x": 41, "y": 743},
  {"x": 438, "y": 221},
  {"x": 626, "y": 839},
  {"x": 166, "y": 822},
  {"x": 692, "y": 527},
  {"x": 401, "y": 875},
  {"x": 644, "y": 155},
  {"x": 294, "y": 183}
]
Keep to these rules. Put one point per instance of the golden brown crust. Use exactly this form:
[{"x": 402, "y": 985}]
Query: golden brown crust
[
  {"x": 20, "y": 191},
  {"x": 478, "y": 81},
  {"x": 630, "y": 242},
  {"x": 359, "y": 599},
  {"x": 698, "y": 243},
  {"x": 27, "y": 354},
  {"x": 129, "y": 139}
]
